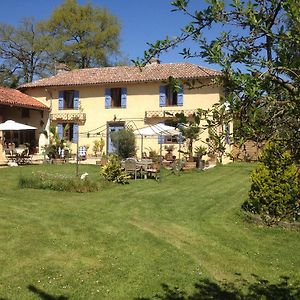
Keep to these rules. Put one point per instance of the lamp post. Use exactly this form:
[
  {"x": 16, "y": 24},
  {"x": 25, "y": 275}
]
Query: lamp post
[
  {"x": 77, "y": 160},
  {"x": 77, "y": 152}
]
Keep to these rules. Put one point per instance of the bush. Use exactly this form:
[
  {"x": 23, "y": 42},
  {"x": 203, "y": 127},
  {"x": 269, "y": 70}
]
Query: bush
[
  {"x": 274, "y": 193},
  {"x": 124, "y": 143},
  {"x": 113, "y": 171},
  {"x": 58, "y": 182}
]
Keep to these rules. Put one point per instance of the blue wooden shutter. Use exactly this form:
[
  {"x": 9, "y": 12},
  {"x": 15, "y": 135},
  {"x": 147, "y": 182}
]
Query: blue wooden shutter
[
  {"x": 161, "y": 139},
  {"x": 123, "y": 97},
  {"x": 61, "y": 100},
  {"x": 162, "y": 96},
  {"x": 60, "y": 131},
  {"x": 107, "y": 98},
  {"x": 75, "y": 133},
  {"x": 180, "y": 96},
  {"x": 76, "y": 100}
]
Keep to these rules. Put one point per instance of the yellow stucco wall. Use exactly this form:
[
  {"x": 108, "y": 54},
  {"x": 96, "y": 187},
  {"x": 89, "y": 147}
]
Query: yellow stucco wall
[{"x": 141, "y": 97}]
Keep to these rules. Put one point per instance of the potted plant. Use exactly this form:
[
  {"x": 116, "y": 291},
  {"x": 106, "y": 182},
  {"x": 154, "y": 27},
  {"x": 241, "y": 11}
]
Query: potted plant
[
  {"x": 153, "y": 155},
  {"x": 199, "y": 152},
  {"x": 98, "y": 146},
  {"x": 190, "y": 129},
  {"x": 169, "y": 149},
  {"x": 55, "y": 150}
]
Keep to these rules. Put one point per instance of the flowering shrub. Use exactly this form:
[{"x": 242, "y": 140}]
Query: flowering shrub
[
  {"x": 113, "y": 171},
  {"x": 58, "y": 182}
]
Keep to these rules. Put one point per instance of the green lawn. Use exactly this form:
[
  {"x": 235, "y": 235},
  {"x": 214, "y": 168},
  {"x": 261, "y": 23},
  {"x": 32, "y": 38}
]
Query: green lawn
[{"x": 125, "y": 242}]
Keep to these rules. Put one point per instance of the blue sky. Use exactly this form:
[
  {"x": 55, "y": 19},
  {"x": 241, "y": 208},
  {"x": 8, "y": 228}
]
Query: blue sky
[{"x": 142, "y": 21}]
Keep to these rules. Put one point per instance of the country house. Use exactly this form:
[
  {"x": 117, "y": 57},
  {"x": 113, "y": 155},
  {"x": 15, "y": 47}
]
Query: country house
[{"x": 92, "y": 103}]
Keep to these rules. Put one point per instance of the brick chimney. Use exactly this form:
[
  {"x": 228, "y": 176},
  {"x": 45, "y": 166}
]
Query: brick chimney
[
  {"x": 154, "y": 61},
  {"x": 61, "y": 68}
]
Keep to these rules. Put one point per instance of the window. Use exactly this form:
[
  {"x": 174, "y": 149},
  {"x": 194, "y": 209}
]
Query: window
[
  {"x": 25, "y": 113},
  {"x": 68, "y": 99},
  {"x": 115, "y": 97},
  {"x": 68, "y": 131},
  {"x": 170, "y": 97},
  {"x": 116, "y": 94},
  {"x": 171, "y": 139}
]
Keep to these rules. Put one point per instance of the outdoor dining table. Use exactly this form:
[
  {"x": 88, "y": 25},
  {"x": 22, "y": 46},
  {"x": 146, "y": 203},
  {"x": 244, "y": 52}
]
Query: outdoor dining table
[
  {"x": 142, "y": 167},
  {"x": 19, "y": 155},
  {"x": 144, "y": 164},
  {"x": 20, "y": 150},
  {"x": 146, "y": 168}
]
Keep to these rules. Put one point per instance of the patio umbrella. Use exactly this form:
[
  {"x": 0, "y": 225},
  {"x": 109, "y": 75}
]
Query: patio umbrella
[
  {"x": 12, "y": 125},
  {"x": 156, "y": 130}
]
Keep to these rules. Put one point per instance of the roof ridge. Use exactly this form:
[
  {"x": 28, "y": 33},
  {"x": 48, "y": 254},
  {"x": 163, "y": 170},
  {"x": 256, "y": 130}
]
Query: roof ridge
[{"x": 124, "y": 74}]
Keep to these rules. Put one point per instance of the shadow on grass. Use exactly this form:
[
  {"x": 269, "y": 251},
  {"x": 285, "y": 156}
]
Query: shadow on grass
[
  {"x": 43, "y": 295},
  {"x": 238, "y": 290}
]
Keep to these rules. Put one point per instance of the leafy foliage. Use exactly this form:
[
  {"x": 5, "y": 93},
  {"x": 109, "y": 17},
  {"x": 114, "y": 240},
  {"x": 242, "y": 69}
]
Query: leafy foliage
[
  {"x": 274, "y": 190},
  {"x": 98, "y": 146},
  {"x": 56, "y": 143},
  {"x": 22, "y": 51},
  {"x": 257, "y": 49},
  {"x": 215, "y": 121},
  {"x": 58, "y": 182},
  {"x": 124, "y": 143},
  {"x": 112, "y": 171},
  {"x": 82, "y": 36}
]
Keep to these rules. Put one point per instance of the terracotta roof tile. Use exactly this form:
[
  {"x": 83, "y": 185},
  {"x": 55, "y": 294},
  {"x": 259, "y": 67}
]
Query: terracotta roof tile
[
  {"x": 16, "y": 98},
  {"x": 124, "y": 74}
]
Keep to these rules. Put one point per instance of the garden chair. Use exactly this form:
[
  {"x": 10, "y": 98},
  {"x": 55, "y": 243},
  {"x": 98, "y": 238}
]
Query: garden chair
[
  {"x": 130, "y": 167},
  {"x": 11, "y": 148},
  {"x": 27, "y": 157},
  {"x": 143, "y": 166},
  {"x": 154, "y": 170},
  {"x": 82, "y": 153}
]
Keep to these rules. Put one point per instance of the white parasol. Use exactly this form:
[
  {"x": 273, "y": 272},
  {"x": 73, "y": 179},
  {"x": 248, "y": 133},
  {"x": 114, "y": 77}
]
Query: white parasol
[
  {"x": 12, "y": 125},
  {"x": 159, "y": 129},
  {"x": 156, "y": 130}
]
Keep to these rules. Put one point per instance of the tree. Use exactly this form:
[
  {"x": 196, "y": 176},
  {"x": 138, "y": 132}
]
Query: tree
[
  {"x": 124, "y": 143},
  {"x": 214, "y": 121},
  {"x": 257, "y": 49},
  {"x": 274, "y": 192},
  {"x": 190, "y": 130},
  {"x": 82, "y": 36},
  {"x": 22, "y": 53}
]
